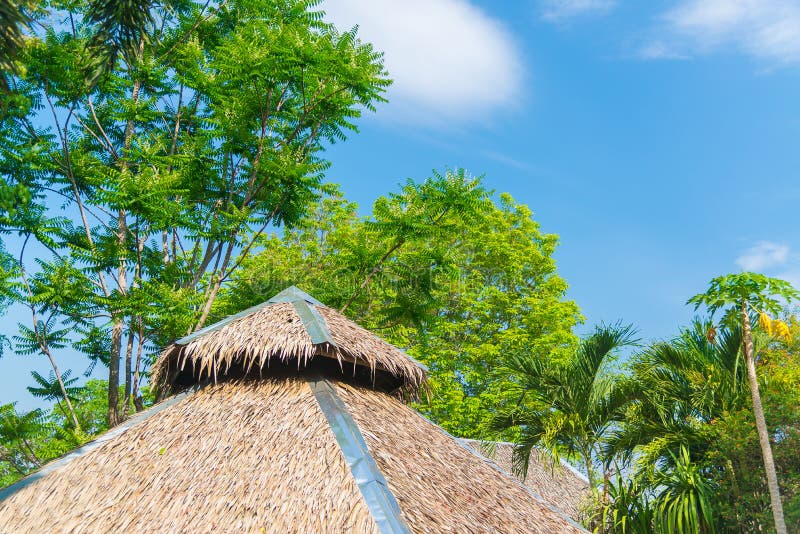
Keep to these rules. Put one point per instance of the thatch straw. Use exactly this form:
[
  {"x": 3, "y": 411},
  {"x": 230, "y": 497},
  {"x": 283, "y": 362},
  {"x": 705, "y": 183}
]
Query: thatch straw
[
  {"x": 277, "y": 332},
  {"x": 440, "y": 485},
  {"x": 557, "y": 484},
  {"x": 238, "y": 457}
]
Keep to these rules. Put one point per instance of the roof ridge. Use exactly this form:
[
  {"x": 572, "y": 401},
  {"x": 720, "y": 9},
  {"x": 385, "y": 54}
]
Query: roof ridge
[{"x": 377, "y": 495}]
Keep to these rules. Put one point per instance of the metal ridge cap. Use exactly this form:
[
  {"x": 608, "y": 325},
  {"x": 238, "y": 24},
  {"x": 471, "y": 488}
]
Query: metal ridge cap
[{"x": 374, "y": 489}]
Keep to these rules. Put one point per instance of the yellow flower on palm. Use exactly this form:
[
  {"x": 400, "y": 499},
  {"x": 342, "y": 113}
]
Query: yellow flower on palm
[
  {"x": 782, "y": 330},
  {"x": 765, "y": 321}
]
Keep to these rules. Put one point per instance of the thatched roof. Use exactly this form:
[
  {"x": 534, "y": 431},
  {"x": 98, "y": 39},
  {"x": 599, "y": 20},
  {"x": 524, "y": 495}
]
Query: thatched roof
[
  {"x": 290, "y": 328},
  {"x": 558, "y": 484},
  {"x": 306, "y": 449}
]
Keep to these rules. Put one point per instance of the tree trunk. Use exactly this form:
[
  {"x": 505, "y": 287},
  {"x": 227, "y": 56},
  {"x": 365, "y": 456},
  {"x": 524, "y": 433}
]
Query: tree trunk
[
  {"x": 113, "y": 373},
  {"x": 117, "y": 328},
  {"x": 63, "y": 391},
  {"x": 594, "y": 521},
  {"x": 761, "y": 425},
  {"x": 122, "y": 280},
  {"x": 128, "y": 371},
  {"x": 589, "y": 473}
]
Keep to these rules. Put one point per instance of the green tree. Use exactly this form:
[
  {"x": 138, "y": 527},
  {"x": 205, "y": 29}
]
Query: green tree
[
  {"x": 742, "y": 501},
  {"x": 684, "y": 502},
  {"x": 18, "y": 433},
  {"x": 566, "y": 407},
  {"x": 691, "y": 394},
  {"x": 738, "y": 294},
  {"x": 439, "y": 268},
  {"x": 156, "y": 142},
  {"x": 28, "y": 440},
  {"x": 50, "y": 389},
  {"x": 12, "y": 22},
  {"x": 675, "y": 390}
]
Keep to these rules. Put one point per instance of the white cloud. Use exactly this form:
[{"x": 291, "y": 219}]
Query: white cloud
[
  {"x": 764, "y": 29},
  {"x": 448, "y": 59},
  {"x": 763, "y": 255},
  {"x": 562, "y": 9}
]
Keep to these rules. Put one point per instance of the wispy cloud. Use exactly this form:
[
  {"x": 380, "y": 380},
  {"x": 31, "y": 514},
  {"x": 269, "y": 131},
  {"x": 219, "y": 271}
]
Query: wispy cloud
[
  {"x": 764, "y": 255},
  {"x": 767, "y": 30},
  {"x": 449, "y": 60},
  {"x": 557, "y": 10},
  {"x": 660, "y": 50},
  {"x": 506, "y": 160}
]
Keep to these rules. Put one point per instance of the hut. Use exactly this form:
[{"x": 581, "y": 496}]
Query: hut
[{"x": 287, "y": 417}]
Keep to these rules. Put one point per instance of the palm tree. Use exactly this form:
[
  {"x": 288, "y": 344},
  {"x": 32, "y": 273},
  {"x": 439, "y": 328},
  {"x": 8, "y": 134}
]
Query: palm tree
[
  {"x": 684, "y": 502},
  {"x": 50, "y": 389},
  {"x": 738, "y": 294},
  {"x": 566, "y": 407},
  {"x": 676, "y": 388}
]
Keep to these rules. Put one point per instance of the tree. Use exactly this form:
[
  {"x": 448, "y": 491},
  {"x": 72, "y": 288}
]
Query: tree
[
  {"x": 739, "y": 294},
  {"x": 742, "y": 501},
  {"x": 675, "y": 390},
  {"x": 50, "y": 389},
  {"x": 439, "y": 268},
  {"x": 12, "y": 22},
  {"x": 18, "y": 432},
  {"x": 28, "y": 440},
  {"x": 566, "y": 407},
  {"x": 156, "y": 142}
]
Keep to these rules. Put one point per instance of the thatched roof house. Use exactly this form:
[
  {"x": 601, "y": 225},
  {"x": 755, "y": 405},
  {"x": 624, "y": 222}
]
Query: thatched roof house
[{"x": 299, "y": 429}]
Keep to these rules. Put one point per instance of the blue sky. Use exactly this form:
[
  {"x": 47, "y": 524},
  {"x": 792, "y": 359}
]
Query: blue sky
[{"x": 658, "y": 139}]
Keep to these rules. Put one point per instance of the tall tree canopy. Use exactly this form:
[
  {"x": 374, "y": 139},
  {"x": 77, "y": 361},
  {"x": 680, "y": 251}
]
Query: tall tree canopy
[
  {"x": 440, "y": 268},
  {"x": 154, "y": 142}
]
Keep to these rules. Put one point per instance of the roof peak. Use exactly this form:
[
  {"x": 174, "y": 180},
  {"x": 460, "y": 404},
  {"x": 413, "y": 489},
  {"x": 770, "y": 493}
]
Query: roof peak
[
  {"x": 291, "y": 294},
  {"x": 290, "y": 326}
]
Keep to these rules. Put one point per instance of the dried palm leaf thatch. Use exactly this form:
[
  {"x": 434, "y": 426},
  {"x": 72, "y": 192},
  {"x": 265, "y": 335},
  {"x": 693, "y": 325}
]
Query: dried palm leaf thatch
[
  {"x": 252, "y": 456},
  {"x": 440, "y": 485},
  {"x": 558, "y": 484},
  {"x": 277, "y": 332}
]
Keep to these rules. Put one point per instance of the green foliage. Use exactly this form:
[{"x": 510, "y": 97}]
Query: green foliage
[
  {"x": 146, "y": 146},
  {"x": 17, "y": 434},
  {"x": 757, "y": 290},
  {"x": 12, "y": 22},
  {"x": 742, "y": 293},
  {"x": 689, "y": 428},
  {"x": 684, "y": 503},
  {"x": 49, "y": 389},
  {"x": 625, "y": 507},
  {"x": 438, "y": 268},
  {"x": 742, "y": 502},
  {"x": 29, "y": 440},
  {"x": 675, "y": 390},
  {"x": 566, "y": 407}
]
